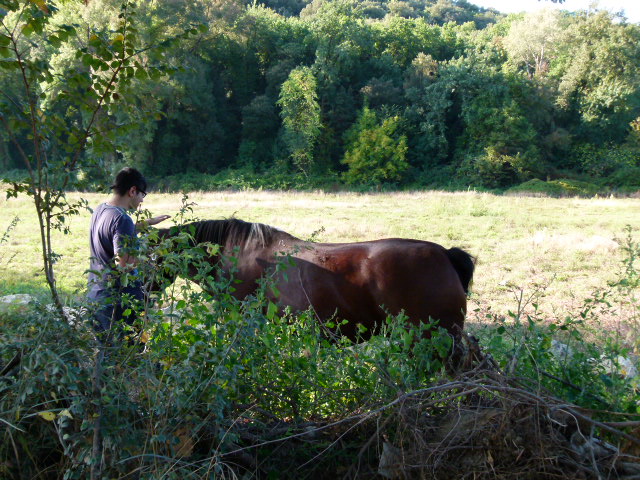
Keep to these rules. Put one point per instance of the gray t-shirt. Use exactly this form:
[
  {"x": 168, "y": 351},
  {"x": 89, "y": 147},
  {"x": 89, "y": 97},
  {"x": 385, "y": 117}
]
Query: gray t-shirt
[{"x": 111, "y": 231}]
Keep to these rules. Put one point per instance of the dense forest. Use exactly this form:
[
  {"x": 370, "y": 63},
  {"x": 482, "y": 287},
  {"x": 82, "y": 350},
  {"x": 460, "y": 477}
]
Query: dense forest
[{"x": 362, "y": 92}]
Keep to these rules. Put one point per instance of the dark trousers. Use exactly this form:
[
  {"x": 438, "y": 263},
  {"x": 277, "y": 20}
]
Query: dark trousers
[{"x": 111, "y": 306}]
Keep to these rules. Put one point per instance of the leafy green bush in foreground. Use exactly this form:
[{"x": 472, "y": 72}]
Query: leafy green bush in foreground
[
  {"x": 208, "y": 365},
  {"x": 215, "y": 370},
  {"x": 576, "y": 358}
]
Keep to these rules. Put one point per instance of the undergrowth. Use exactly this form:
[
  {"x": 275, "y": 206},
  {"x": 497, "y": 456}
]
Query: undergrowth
[
  {"x": 576, "y": 358},
  {"x": 221, "y": 383}
]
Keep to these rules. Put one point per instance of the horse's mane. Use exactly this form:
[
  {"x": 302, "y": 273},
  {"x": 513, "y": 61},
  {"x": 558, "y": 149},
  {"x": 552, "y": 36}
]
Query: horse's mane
[{"x": 233, "y": 231}]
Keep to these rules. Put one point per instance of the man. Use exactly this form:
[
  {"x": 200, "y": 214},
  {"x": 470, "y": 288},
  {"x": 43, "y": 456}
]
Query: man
[{"x": 113, "y": 286}]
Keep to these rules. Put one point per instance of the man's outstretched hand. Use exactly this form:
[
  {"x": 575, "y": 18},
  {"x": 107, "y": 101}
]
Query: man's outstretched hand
[
  {"x": 158, "y": 219},
  {"x": 143, "y": 224}
]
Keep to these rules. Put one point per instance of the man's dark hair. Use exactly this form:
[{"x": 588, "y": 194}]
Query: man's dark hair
[{"x": 129, "y": 177}]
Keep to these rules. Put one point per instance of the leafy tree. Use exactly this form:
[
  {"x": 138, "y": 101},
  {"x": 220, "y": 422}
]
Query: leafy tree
[
  {"x": 343, "y": 41},
  {"x": 597, "y": 75},
  {"x": 431, "y": 101},
  {"x": 375, "y": 152},
  {"x": 260, "y": 125},
  {"x": 380, "y": 92},
  {"x": 534, "y": 40},
  {"x": 403, "y": 39},
  {"x": 300, "y": 114},
  {"x": 398, "y": 8},
  {"x": 63, "y": 112},
  {"x": 460, "y": 11},
  {"x": 496, "y": 124}
]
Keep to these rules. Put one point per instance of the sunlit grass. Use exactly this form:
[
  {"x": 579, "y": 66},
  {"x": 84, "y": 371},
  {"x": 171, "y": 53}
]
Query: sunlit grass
[{"x": 568, "y": 244}]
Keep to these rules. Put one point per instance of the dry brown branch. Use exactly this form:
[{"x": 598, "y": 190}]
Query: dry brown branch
[{"x": 479, "y": 424}]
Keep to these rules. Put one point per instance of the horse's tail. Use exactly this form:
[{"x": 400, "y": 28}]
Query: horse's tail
[{"x": 464, "y": 265}]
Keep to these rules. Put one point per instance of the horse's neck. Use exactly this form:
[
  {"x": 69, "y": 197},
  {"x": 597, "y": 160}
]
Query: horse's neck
[{"x": 284, "y": 240}]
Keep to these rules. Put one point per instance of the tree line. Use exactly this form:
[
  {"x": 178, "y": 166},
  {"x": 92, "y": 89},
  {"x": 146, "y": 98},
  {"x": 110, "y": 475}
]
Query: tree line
[{"x": 416, "y": 92}]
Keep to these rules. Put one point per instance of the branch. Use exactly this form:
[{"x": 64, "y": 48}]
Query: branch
[{"x": 12, "y": 363}]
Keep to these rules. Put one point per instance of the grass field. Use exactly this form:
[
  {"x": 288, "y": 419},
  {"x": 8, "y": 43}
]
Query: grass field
[{"x": 561, "y": 248}]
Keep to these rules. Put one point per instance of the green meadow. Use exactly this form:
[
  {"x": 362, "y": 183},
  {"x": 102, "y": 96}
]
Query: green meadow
[{"x": 551, "y": 251}]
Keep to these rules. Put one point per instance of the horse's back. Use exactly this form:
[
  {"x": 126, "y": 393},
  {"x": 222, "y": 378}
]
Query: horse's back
[
  {"x": 363, "y": 281},
  {"x": 419, "y": 278}
]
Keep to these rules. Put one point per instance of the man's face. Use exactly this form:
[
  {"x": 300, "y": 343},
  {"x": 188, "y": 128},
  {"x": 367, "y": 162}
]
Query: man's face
[{"x": 136, "y": 197}]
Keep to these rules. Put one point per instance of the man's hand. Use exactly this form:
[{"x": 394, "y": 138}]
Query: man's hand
[
  {"x": 158, "y": 219},
  {"x": 151, "y": 221}
]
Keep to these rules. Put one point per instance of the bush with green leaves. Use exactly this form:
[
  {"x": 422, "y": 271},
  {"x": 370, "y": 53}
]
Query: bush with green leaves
[
  {"x": 625, "y": 178},
  {"x": 375, "y": 150},
  {"x": 557, "y": 188},
  {"x": 217, "y": 374},
  {"x": 211, "y": 365},
  {"x": 243, "y": 179},
  {"x": 602, "y": 161}
]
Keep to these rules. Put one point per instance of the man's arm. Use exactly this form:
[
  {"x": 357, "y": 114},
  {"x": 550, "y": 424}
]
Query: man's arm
[
  {"x": 126, "y": 261},
  {"x": 125, "y": 243},
  {"x": 142, "y": 224}
]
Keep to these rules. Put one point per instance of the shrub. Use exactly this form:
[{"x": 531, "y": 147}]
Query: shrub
[
  {"x": 493, "y": 169},
  {"x": 555, "y": 188},
  {"x": 603, "y": 161},
  {"x": 210, "y": 369},
  {"x": 625, "y": 177},
  {"x": 577, "y": 187},
  {"x": 242, "y": 179},
  {"x": 537, "y": 186},
  {"x": 375, "y": 151},
  {"x": 574, "y": 357}
]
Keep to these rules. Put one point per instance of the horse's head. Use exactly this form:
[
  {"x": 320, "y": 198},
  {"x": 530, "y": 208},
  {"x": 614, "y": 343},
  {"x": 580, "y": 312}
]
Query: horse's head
[
  {"x": 157, "y": 273},
  {"x": 178, "y": 251}
]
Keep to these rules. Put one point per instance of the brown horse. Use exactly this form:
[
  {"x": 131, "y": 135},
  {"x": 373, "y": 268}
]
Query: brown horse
[{"x": 359, "y": 282}]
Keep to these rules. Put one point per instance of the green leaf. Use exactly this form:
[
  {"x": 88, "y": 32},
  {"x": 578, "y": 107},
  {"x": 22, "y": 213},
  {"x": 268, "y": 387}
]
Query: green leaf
[
  {"x": 27, "y": 29},
  {"x": 48, "y": 416},
  {"x": 94, "y": 40},
  {"x": 9, "y": 64},
  {"x": 272, "y": 310}
]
